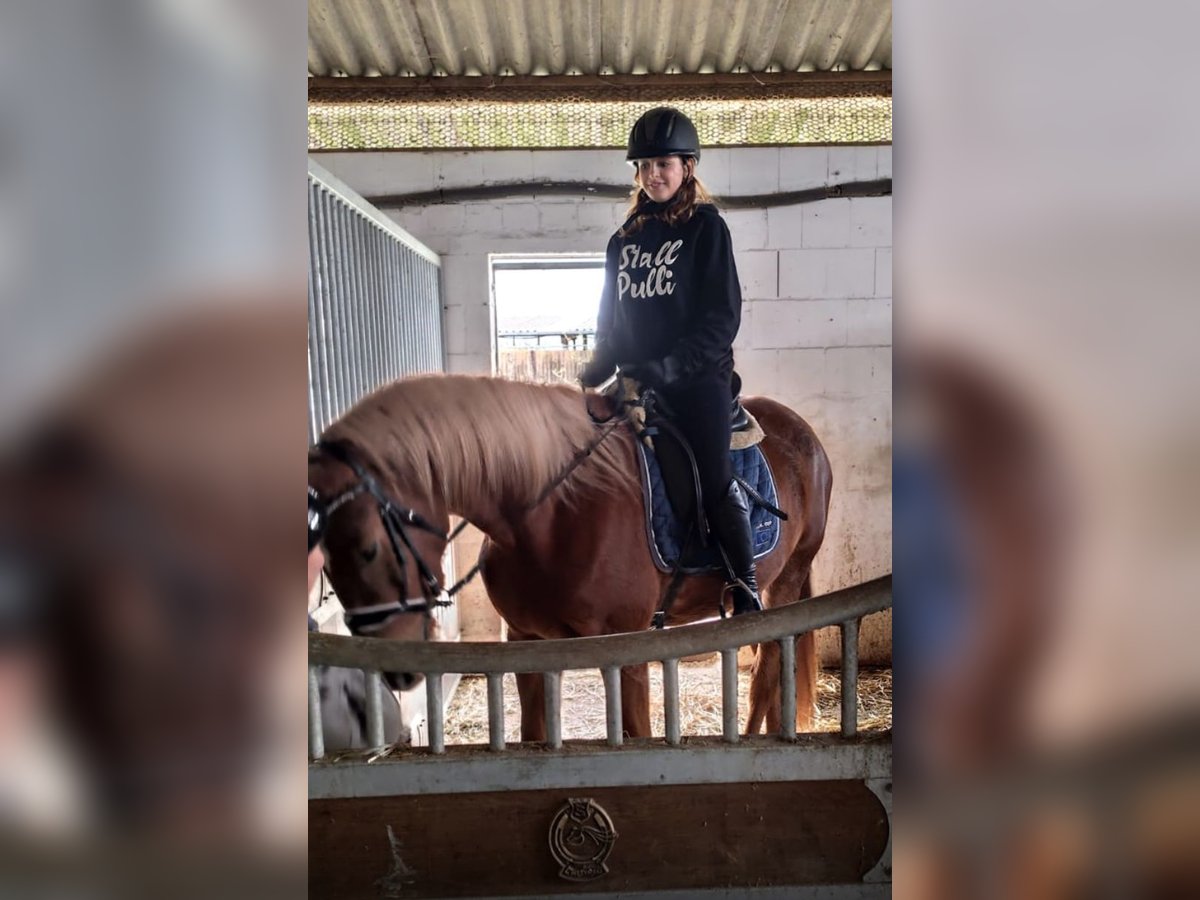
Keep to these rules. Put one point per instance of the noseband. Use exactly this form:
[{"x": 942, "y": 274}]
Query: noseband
[{"x": 397, "y": 519}]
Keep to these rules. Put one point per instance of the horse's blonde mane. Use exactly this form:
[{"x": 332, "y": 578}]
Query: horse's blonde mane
[{"x": 471, "y": 437}]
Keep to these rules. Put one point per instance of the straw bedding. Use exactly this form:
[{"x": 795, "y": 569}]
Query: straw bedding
[{"x": 699, "y": 703}]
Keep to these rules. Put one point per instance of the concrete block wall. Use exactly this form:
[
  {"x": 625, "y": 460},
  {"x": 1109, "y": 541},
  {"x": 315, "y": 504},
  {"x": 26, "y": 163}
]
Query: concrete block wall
[{"x": 816, "y": 280}]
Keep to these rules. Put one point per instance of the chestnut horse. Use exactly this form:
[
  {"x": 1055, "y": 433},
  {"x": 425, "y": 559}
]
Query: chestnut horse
[{"x": 572, "y": 561}]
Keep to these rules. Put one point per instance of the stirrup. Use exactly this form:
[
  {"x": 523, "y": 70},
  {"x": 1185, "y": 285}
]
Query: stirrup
[{"x": 733, "y": 586}]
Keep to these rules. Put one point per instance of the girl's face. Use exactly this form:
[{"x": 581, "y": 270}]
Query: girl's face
[{"x": 660, "y": 177}]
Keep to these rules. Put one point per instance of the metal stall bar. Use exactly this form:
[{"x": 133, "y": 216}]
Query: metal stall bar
[
  {"x": 433, "y": 710},
  {"x": 373, "y": 686},
  {"x": 729, "y": 695},
  {"x": 375, "y": 306},
  {"x": 553, "y": 689},
  {"x": 670, "y": 677},
  {"x": 787, "y": 686},
  {"x": 850, "y": 678},
  {"x": 316, "y": 733},
  {"x": 495, "y": 701},
  {"x": 612, "y": 704}
]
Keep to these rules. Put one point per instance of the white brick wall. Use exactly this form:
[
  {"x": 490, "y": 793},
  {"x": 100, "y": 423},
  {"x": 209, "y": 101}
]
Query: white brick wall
[
  {"x": 748, "y": 229},
  {"x": 787, "y": 323},
  {"x": 521, "y": 218},
  {"x": 458, "y": 169},
  {"x": 803, "y": 167},
  {"x": 482, "y": 219},
  {"x": 375, "y": 173},
  {"x": 853, "y": 164},
  {"x": 444, "y": 218},
  {"x": 560, "y": 217},
  {"x": 602, "y": 214},
  {"x": 883, "y": 273},
  {"x": 785, "y": 227},
  {"x": 714, "y": 170},
  {"x": 758, "y": 270},
  {"x": 754, "y": 170},
  {"x": 599, "y": 166},
  {"x": 800, "y": 373},
  {"x": 869, "y": 322},
  {"x": 816, "y": 278},
  {"x": 870, "y": 221},
  {"x": 826, "y": 224},
  {"x": 500, "y": 166},
  {"x": 814, "y": 274}
]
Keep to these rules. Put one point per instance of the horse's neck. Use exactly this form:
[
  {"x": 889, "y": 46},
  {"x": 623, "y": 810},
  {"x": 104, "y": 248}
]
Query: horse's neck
[
  {"x": 493, "y": 509},
  {"x": 491, "y": 515},
  {"x": 472, "y": 483}
]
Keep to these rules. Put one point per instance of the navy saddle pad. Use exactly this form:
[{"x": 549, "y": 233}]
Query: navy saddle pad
[{"x": 667, "y": 533}]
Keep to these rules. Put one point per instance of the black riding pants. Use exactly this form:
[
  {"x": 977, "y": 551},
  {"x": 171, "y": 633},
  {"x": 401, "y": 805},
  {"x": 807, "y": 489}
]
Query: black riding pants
[{"x": 700, "y": 409}]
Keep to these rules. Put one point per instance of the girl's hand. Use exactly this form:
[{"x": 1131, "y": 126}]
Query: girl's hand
[{"x": 596, "y": 372}]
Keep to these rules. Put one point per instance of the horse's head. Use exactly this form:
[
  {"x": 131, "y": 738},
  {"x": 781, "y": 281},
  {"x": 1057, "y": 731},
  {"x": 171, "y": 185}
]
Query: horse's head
[{"x": 383, "y": 549}]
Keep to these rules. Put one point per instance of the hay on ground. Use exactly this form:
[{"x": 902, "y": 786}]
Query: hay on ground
[{"x": 699, "y": 703}]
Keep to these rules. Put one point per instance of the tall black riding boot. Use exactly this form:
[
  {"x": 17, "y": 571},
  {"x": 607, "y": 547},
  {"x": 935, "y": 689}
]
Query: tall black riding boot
[{"x": 731, "y": 525}]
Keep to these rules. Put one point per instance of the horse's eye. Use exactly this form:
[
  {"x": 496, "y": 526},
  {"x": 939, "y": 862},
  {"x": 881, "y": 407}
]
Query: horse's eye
[{"x": 369, "y": 553}]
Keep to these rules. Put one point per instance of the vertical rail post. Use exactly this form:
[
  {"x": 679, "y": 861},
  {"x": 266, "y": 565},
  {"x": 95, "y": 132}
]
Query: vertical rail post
[
  {"x": 729, "y": 695},
  {"x": 850, "y": 678},
  {"x": 495, "y": 699},
  {"x": 373, "y": 685},
  {"x": 433, "y": 712},
  {"x": 612, "y": 704},
  {"x": 670, "y": 677},
  {"x": 316, "y": 735},
  {"x": 553, "y": 689},
  {"x": 787, "y": 686}
]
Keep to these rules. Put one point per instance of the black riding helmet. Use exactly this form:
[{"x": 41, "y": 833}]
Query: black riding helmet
[{"x": 663, "y": 131}]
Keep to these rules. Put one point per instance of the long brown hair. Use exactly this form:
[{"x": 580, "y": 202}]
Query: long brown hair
[{"x": 691, "y": 195}]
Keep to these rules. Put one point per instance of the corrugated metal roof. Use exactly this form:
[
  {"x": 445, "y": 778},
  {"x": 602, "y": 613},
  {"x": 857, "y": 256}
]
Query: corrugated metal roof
[{"x": 556, "y": 37}]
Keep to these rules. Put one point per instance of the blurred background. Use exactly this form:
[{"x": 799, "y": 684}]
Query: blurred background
[
  {"x": 152, "y": 372},
  {"x": 1046, "y": 447}
]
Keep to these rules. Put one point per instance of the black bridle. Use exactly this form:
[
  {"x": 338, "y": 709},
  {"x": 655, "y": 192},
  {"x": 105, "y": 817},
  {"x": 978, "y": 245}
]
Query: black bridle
[{"x": 397, "y": 520}]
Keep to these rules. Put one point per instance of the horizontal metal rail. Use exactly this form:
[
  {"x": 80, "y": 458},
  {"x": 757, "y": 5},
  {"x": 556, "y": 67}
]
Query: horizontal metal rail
[
  {"x": 707, "y": 759},
  {"x": 550, "y": 658},
  {"x": 500, "y": 657}
]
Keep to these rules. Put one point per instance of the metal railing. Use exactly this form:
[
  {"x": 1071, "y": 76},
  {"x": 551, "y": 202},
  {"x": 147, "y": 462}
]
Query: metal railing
[
  {"x": 374, "y": 301},
  {"x": 608, "y": 654}
]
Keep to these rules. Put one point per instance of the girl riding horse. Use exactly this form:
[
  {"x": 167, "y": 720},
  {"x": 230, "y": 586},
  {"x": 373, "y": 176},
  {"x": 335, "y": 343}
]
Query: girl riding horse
[{"x": 669, "y": 313}]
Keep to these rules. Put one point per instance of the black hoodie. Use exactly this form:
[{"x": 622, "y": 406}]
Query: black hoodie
[{"x": 672, "y": 291}]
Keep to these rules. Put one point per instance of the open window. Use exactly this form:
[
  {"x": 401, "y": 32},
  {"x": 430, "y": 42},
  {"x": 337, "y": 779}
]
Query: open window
[{"x": 545, "y": 309}]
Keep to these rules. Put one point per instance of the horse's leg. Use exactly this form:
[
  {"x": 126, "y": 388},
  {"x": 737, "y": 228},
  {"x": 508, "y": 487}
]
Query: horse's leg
[
  {"x": 793, "y": 584},
  {"x": 764, "y": 690},
  {"x": 531, "y": 689},
  {"x": 806, "y": 680},
  {"x": 635, "y": 700}
]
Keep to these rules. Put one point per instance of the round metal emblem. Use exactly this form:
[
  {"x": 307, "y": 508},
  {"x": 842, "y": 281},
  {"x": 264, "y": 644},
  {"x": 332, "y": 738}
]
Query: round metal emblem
[{"x": 581, "y": 837}]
